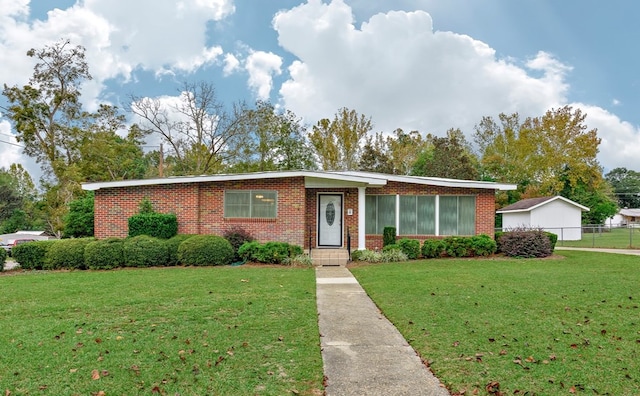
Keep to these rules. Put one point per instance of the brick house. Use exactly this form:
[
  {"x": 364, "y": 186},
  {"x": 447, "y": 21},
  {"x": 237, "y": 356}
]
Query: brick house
[{"x": 308, "y": 208}]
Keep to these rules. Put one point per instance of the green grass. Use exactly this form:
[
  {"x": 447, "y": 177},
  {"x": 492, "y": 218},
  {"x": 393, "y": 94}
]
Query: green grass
[
  {"x": 187, "y": 331},
  {"x": 540, "y": 327},
  {"x": 616, "y": 238}
]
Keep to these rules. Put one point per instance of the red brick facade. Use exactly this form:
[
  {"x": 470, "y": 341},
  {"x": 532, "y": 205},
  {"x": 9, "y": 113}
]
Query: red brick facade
[{"x": 199, "y": 208}]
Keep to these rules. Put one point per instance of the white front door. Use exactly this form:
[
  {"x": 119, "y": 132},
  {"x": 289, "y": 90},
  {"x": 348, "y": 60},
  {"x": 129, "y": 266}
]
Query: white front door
[{"x": 330, "y": 220}]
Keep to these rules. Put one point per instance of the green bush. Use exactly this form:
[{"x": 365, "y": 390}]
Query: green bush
[
  {"x": 388, "y": 236},
  {"x": 205, "y": 250},
  {"x": 144, "y": 251},
  {"x": 371, "y": 256},
  {"x": 295, "y": 250},
  {"x": 172, "y": 245},
  {"x": 391, "y": 247},
  {"x": 456, "y": 246},
  {"x": 483, "y": 245},
  {"x": 525, "y": 244},
  {"x": 3, "y": 258},
  {"x": 248, "y": 250},
  {"x": 393, "y": 255},
  {"x": 356, "y": 255},
  {"x": 237, "y": 236},
  {"x": 157, "y": 225},
  {"x": 553, "y": 239},
  {"x": 496, "y": 237},
  {"x": 31, "y": 255},
  {"x": 432, "y": 248},
  {"x": 79, "y": 221},
  {"x": 272, "y": 253},
  {"x": 300, "y": 260},
  {"x": 104, "y": 254},
  {"x": 67, "y": 253},
  {"x": 410, "y": 247}
]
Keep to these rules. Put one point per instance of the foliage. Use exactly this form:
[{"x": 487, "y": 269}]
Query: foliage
[
  {"x": 248, "y": 250},
  {"x": 375, "y": 156},
  {"x": 295, "y": 250},
  {"x": 144, "y": 251},
  {"x": 145, "y": 206},
  {"x": 356, "y": 255},
  {"x": 79, "y": 221},
  {"x": 368, "y": 256},
  {"x": 205, "y": 250},
  {"x": 157, "y": 225},
  {"x": 300, "y": 260},
  {"x": 483, "y": 245},
  {"x": 449, "y": 157},
  {"x": 391, "y": 247},
  {"x": 393, "y": 255},
  {"x": 237, "y": 236},
  {"x": 395, "y": 154},
  {"x": 172, "y": 245},
  {"x": 104, "y": 254},
  {"x": 388, "y": 236},
  {"x": 496, "y": 237},
  {"x": 67, "y": 254},
  {"x": 553, "y": 239},
  {"x": 337, "y": 142},
  {"x": 410, "y": 247},
  {"x": 455, "y": 246},
  {"x": 272, "y": 252},
  {"x": 626, "y": 186},
  {"x": 525, "y": 243},
  {"x": 3, "y": 258},
  {"x": 432, "y": 248},
  {"x": 31, "y": 255},
  {"x": 20, "y": 205}
]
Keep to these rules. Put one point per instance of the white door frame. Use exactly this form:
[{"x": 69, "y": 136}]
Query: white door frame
[{"x": 341, "y": 219}]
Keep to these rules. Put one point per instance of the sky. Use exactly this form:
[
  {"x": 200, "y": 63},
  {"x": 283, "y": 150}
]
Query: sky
[{"x": 426, "y": 65}]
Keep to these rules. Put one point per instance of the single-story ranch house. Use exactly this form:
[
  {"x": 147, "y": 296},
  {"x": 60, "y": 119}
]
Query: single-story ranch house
[{"x": 308, "y": 208}]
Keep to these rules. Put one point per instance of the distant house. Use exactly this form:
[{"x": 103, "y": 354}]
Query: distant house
[
  {"x": 625, "y": 218},
  {"x": 556, "y": 214}
]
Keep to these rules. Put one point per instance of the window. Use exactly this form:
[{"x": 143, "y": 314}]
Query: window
[
  {"x": 380, "y": 212},
  {"x": 417, "y": 215},
  {"x": 457, "y": 215},
  {"x": 250, "y": 204}
]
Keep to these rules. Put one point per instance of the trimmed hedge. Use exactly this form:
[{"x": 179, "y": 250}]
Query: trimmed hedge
[
  {"x": 388, "y": 236},
  {"x": 205, "y": 250},
  {"x": 3, "y": 258},
  {"x": 410, "y": 247},
  {"x": 432, "y": 248},
  {"x": 248, "y": 250},
  {"x": 483, "y": 245},
  {"x": 157, "y": 225},
  {"x": 237, "y": 236},
  {"x": 104, "y": 254},
  {"x": 31, "y": 255},
  {"x": 269, "y": 253},
  {"x": 67, "y": 253},
  {"x": 525, "y": 244},
  {"x": 145, "y": 251},
  {"x": 456, "y": 246},
  {"x": 172, "y": 245},
  {"x": 553, "y": 239}
]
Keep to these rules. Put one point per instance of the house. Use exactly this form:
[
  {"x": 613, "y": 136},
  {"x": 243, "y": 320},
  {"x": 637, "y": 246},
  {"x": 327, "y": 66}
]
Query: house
[
  {"x": 553, "y": 214},
  {"x": 625, "y": 218},
  {"x": 311, "y": 209}
]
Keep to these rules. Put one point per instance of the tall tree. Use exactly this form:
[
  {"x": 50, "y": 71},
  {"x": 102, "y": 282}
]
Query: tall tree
[
  {"x": 375, "y": 156},
  {"x": 198, "y": 130},
  {"x": 626, "y": 186},
  {"x": 20, "y": 205},
  {"x": 448, "y": 157},
  {"x": 405, "y": 149},
  {"x": 337, "y": 142}
]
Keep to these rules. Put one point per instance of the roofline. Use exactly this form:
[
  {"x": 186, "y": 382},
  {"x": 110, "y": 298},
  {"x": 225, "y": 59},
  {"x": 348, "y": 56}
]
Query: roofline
[
  {"x": 582, "y": 207},
  {"x": 364, "y": 178}
]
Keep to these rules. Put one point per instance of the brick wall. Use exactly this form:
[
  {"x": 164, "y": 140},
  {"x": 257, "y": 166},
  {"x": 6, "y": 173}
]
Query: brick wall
[{"x": 199, "y": 208}]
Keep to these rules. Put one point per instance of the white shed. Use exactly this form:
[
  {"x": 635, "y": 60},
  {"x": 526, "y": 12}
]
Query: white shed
[{"x": 556, "y": 214}]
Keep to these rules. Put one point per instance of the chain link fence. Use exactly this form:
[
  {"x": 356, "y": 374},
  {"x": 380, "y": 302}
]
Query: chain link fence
[{"x": 597, "y": 236}]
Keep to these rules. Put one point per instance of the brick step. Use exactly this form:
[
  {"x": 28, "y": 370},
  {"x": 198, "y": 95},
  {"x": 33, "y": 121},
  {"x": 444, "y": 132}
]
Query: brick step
[{"x": 329, "y": 257}]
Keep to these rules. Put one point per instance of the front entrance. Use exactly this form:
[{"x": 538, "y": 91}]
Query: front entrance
[{"x": 329, "y": 220}]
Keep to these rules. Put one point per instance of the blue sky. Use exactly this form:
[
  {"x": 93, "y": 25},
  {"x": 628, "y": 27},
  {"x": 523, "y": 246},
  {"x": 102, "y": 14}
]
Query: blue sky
[{"x": 415, "y": 64}]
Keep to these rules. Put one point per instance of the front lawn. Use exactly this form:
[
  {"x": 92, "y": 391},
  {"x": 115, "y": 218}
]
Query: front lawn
[
  {"x": 165, "y": 331},
  {"x": 567, "y": 325},
  {"x": 615, "y": 238}
]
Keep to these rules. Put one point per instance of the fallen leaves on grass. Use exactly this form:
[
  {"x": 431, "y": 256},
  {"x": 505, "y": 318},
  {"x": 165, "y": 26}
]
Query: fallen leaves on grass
[{"x": 95, "y": 375}]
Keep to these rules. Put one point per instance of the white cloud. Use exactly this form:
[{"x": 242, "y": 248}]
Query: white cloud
[
  {"x": 231, "y": 64},
  {"x": 261, "y": 66}
]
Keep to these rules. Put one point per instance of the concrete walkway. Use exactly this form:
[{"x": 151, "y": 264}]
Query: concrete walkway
[
  {"x": 633, "y": 252},
  {"x": 363, "y": 353}
]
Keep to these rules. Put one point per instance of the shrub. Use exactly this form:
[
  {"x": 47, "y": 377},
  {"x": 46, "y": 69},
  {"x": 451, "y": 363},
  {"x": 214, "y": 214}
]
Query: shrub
[
  {"x": 104, "y": 254},
  {"x": 156, "y": 225},
  {"x": 237, "y": 236},
  {"x": 67, "y": 253},
  {"x": 79, "y": 221},
  {"x": 272, "y": 252},
  {"x": 248, "y": 250},
  {"x": 553, "y": 239},
  {"x": 172, "y": 248},
  {"x": 393, "y": 246},
  {"x": 457, "y": 246},
  {"x": 144, "y": 251},
  {"x": 432, "y": 248},
  {"x": 370, "y": 256},
  {"x": 356, "y": 255},
  {"x": 295, "y": 250},
  {"x": 525, "y": 243},
  {"x": 3, "y": 258},
  {"x": 393, "y": 255},
  {"x": 388, "y": 236},
  {"x": 300, "y": 260},
  {"x": 31, "y": 255},
  {"x": 496, "y": 237},
  {"x": 205, "y": 250},
  {"x": 483, "y": 245},
  {"x": 410, "y": 247}
]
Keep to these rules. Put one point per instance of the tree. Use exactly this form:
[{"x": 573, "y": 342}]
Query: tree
[
  {"x": 79, "y": 221},
  {"x": 20, "y": 208},
  {"x": 337, "y": 142},
  {"x": 198, "y": 130},
  {"x": 626, "y": 186},
  {"x": 375, "y": 156},
  {"x": 404, "y": 150},
  {"x": 448, "y": 157},
  {"x": 272, "y": 141}
]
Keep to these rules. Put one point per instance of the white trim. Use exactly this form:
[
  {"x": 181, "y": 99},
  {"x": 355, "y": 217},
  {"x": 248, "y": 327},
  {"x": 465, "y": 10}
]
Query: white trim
[
  {"x": 362, "y": 237},
  {"x": 437, "y": 216},
  {"x": 583, "y": 208},
  {"x": 312, "y": 178},
  {"x": 397, "y": 214}
]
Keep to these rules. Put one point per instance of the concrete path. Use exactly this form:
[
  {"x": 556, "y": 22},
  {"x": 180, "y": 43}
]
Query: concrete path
[
  {"x": 633, "y": 252},
  {"x": 363, "y": 353}
]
